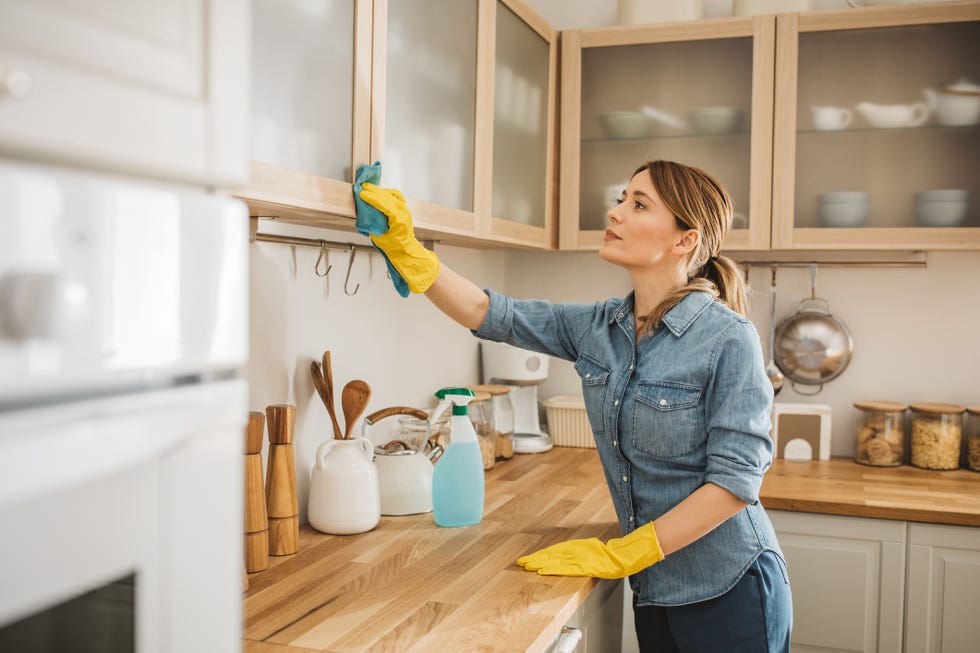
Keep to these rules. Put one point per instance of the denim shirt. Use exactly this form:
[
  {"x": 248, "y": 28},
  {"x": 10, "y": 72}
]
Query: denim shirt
[{"x": 688, "y": 405}]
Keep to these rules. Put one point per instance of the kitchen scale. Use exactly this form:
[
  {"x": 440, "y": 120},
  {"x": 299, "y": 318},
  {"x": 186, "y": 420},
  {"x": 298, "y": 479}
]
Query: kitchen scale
[{"x": 522, "y": 371}]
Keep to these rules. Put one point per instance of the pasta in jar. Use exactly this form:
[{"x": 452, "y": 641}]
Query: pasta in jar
[{"x": 936, "y": 435}]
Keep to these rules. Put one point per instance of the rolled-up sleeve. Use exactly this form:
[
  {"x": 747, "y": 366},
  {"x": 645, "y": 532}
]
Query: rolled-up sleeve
[{"x": 738, "y": 405}]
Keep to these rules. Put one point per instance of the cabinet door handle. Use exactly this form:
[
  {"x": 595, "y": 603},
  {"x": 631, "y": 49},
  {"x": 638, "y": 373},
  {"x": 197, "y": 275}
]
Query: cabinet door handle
[
  {"x": 15, "y": 84},
  {"x": 568, "y": 640}
]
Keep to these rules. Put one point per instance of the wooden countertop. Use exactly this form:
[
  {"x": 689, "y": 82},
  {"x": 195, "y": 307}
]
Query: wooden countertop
[
  {"x": 409, "y": 585},
  {"x": 840, "y": 486}
]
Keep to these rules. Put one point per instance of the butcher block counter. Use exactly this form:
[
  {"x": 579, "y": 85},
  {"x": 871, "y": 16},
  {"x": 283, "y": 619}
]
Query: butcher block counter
[
  {"x": 409, "y": 585},
  {"x": 840, "y": 486}
]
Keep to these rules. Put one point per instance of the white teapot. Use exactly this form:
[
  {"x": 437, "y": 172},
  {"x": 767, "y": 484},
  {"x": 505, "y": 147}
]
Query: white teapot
[
  {"x": 894, "y": 115},
  {"x": 955, "y": 104}
]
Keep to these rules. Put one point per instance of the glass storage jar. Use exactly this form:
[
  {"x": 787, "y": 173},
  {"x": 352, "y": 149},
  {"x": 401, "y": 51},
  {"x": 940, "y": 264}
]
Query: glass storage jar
[
  {"x": 937, "y": 434},
  {"x": 880, "y": 433},
  {"x": 973, "y": 438},
  {"x": 502, "y": 418},
  {"x": 482, "y": 420},
  {"x": 415, "y": 431}
]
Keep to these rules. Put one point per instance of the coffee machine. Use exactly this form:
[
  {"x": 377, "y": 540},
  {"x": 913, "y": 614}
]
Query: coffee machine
[{"x": 522, "y": 371}]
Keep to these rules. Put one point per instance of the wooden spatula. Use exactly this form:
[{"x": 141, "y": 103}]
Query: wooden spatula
[
  {"x": 354, "y": 400},
  {"x": 328, "y": 382},
  {"x": 325, "y": 395}
]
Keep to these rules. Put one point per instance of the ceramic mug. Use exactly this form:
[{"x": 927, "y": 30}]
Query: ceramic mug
[{"x": 831, "y": 118}]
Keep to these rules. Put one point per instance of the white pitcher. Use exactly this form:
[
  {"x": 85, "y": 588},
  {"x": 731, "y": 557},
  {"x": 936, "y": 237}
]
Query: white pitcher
[{"x": 344, "y": 497}]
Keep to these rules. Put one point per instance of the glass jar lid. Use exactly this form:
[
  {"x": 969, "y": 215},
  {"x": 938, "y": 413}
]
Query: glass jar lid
[
  {"x": 493, "y": 390},
  {"x": 938, "y": 409},
  {"x": 973, "y": 410},
  {"x": 881, "y": 406}
]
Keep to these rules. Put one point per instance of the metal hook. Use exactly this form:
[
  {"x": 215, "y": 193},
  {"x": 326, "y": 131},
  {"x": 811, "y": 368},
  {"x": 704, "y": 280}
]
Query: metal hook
[
  {"x": 350, "y": 265},
  {"x": 322, "y": 257},
  {"x": 813, "y": 281}
]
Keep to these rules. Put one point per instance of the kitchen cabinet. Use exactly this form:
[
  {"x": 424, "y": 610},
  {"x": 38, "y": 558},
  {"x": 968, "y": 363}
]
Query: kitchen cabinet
[
  {"x": 599, "y": 619},
  {"x": 943, "y": 580},
  {"x": 856, "y": 136},
  {"x": 698, "y": 92},
  {"x": 421, "y": 87},
  {"x": 149, "y": 88},
  {"x": 847, "y": 576}
]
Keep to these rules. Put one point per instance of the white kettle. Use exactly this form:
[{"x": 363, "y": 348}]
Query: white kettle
[
  {"x": 956, "y": 104},
  {"x": 404, "y": 472}
]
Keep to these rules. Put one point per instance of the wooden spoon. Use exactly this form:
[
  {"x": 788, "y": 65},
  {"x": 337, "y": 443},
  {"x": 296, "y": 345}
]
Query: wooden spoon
[
  {"x": 354, "y": 400},
  {"x": 328, "y": 377},
  {"x": 325, "y": 396}
]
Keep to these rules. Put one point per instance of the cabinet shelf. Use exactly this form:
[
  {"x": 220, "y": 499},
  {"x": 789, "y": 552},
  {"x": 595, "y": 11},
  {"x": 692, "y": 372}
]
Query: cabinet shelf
[
  {"x": 924, "y": 129},
  {"x": 736, "y": 135}
]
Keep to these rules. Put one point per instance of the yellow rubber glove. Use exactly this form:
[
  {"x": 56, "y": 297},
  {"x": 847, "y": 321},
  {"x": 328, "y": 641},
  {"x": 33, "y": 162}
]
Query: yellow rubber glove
[
  {"x": 617, "y": 558},
  {"x": 417, "y": 265}
]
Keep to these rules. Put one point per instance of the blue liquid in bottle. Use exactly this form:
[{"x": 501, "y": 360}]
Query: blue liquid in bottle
[{"x": 457, "y": 485}]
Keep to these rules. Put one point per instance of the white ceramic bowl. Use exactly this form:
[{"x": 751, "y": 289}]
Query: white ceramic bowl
[
  {"x": 941, "y": 208},
  {"x": 625, "y": 124},
  {"x": 714, "y": 120},
  {"x": 843, "y": 209}
]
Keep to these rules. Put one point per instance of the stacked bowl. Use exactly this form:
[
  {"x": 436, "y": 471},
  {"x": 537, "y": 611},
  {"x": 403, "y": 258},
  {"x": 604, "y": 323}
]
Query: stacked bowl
[
  {"x": 843, "y": 209},
  {"x": 945, "y": 207}
]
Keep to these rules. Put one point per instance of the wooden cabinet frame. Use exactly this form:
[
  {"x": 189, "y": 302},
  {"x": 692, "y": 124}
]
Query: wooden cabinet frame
[
  {"x": 760, "y": 28},
  {"x": 784, "y": 235}
]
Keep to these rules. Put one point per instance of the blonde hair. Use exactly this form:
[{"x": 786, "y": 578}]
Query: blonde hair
[{"x": 698, "y": 201}]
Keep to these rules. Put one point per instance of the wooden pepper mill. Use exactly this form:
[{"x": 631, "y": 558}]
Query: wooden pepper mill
[
  {"x": 280, "y": 481},
  {"x": 256, "y": 519}
]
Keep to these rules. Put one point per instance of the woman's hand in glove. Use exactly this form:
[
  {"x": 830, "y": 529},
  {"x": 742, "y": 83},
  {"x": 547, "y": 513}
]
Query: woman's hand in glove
[
  {"x": 417, "y": 265},
  {"x": 617, "y": 558}
]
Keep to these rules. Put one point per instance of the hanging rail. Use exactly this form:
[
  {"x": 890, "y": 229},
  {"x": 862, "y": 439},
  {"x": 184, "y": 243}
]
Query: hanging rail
[{"x": 319, "y": 243}]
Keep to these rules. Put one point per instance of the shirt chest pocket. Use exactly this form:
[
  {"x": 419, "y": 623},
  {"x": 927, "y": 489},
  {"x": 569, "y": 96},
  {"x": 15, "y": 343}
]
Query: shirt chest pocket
[
  {"x": 666, "y": 419},
  {"x": 595, "y": 381}
]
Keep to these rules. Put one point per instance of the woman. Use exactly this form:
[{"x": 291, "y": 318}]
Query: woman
[{"x": 679, "y": 403}]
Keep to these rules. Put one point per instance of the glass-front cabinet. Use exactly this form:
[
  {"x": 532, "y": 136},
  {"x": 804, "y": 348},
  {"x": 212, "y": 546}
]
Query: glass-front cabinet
[
  {"x": 310, "y": 108},
  {"x": 877, "y": 129},
  {"x": 700, "y": 93}
]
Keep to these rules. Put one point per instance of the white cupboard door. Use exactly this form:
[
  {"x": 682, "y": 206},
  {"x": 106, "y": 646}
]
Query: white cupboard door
[
  {"x": 846, "y": 575},
  {"x": 156, "y": 89},
  {"x": 943, "y": 589}
]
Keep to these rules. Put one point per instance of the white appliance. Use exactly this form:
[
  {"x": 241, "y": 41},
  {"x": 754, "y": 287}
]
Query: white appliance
[
  {"x": 522, "y": 371},
  {"x": 123, "y": 336}
]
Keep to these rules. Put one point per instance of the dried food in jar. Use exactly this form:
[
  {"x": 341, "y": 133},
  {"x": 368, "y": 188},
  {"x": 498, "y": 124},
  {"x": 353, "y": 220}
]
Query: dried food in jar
[
  {"x": 880, "y": 433},
  {"x": 936, "y": 435},
  {"x": 973, "y": 438}
]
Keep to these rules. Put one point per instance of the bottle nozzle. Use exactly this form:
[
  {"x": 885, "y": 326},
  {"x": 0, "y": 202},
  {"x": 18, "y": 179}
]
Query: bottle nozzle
[{"x": 458, "y": 397}]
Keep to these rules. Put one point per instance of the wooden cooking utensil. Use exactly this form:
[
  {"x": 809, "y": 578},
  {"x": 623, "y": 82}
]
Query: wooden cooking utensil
[
  {"x": 326, "y": 395},
  {"x": 354, "y": 400},
  {"x": 328, "y": 378}
]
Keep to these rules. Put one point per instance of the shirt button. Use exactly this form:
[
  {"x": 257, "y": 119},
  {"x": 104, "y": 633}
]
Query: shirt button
[
  {"x": 588, "y": 375},
  {"x": 620, "y": 316},
  {"x": 631, "y": 518},
  {"x": 663, "y": 402},
  {"x": 632, "y": 367},
  {"x": 616, "y": 403},
  {"x": 615, "y": 443},
  {"x": 626, "y": 479}
]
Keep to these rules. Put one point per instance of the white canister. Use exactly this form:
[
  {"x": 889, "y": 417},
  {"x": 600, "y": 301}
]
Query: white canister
[
  {"x": 638, "y": 12},
  {"x": 344, "y": 494}
]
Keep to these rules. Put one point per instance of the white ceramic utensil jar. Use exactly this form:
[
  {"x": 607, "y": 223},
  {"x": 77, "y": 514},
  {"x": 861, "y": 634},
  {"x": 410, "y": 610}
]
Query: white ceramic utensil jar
[{"x": 344, "y": 494}]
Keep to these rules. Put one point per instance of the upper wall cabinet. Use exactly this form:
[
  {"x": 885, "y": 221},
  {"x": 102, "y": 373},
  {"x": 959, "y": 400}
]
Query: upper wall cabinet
[
  {"x": 311, "y": 85},
  {"x": 698, "y": 92},
  {"x": 877, "y": 129},
  {"x": 454, "y": 97},
  {"x": 156, "y": 89}
]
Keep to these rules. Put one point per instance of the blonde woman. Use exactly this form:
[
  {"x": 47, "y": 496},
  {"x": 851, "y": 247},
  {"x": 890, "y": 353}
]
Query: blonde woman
[{"x": 679, "y": 403}]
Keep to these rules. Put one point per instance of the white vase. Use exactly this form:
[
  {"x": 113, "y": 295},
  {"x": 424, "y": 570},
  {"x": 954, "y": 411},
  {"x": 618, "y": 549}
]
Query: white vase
[{"x": 344, "y": 497}]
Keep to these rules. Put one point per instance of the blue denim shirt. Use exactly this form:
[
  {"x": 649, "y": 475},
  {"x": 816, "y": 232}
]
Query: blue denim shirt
[{"x": 685, "y": 406}]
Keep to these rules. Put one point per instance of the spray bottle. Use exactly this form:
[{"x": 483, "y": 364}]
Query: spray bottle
[{"x": 457, "y": 480}]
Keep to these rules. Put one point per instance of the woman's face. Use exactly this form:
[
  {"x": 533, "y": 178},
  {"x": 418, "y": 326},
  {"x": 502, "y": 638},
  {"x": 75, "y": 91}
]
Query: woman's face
[{"x": 642, "y": 232}]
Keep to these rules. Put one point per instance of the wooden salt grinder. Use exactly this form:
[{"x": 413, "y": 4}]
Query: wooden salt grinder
[
  {"x": 280, "y": 481},
  {"x": 256, "y": 519}
]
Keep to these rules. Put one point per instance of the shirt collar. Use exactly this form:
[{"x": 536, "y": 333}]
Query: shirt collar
[{"x": 677, "y": 319}]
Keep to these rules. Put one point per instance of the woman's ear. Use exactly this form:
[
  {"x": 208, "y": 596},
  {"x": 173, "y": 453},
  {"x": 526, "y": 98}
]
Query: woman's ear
[{"x": 687, "y": 241}]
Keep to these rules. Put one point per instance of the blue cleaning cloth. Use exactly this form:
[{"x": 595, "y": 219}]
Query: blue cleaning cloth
[{"x": 372, "y": 221}]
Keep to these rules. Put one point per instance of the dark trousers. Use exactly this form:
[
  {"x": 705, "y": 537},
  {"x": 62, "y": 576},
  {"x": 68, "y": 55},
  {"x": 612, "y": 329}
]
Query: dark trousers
[{"x": 755, "y": 616}]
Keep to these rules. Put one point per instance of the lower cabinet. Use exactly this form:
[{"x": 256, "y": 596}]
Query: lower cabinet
[
  {"x": 943, "y": 596},
  {"x": 881, "y": 585},
  {"x": 599, "y": 619},
  {"x": 848, "y": 580}
]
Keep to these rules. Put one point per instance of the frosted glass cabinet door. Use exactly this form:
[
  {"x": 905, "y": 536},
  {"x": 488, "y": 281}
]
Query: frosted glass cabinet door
[
  {"x": 303, "y": 85},
  {"x": 886, "y": 130},
  {"x": 430, "y": 100},
  {"x": 520, "y": 125}
]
